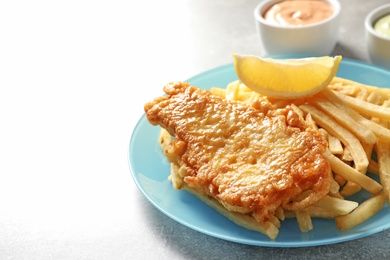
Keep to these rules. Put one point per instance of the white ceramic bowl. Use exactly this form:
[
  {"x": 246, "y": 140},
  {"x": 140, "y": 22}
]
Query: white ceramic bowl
[
  {"x": 378, "y": 46},
  {"x": 316, "y": 39}
]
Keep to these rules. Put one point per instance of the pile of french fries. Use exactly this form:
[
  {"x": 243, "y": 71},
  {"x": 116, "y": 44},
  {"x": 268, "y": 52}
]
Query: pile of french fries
[{"x": 354, "y": 119}]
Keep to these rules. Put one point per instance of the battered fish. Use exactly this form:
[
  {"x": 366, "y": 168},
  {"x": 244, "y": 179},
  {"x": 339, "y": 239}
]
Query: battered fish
[{"x": 253, "y": 159}]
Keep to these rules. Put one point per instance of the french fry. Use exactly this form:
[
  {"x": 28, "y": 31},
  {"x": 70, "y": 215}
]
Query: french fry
[
  {"x": 350, "y": 188},
  {"x": 351, "y": 85},
  {"x": 279, "y": 213},
  {"x": 335, "y": 129},
  {"x": 334, "y": 144},
  {"x": 297, "y": 110},
  {"x": 373, "y": 167},
  {"x": 362, "y": 94},
  {"x": 339, "y": 206},
  {"x": 334, "y": 187},
  {"x": 304, "y": 220},
  {"x": 360, "y": 131},
  {"x": 362, "y": 213},
  {"x": 352, "y": 174},
  {"x": 366, "y": 108},
  {"x": 347, "y": 156},
  {"x": 368, "y": 148},
  {"x": 315, "y": 212},
  {"x": 232, "y": 90},
  {"x": 275, "y": 221},
  {"x": 383, "y": 153},
  {"x": 340, "y": 180},
  {"x": 336, "y": 195},
  {"x": 218, "y": 92},
  {"x": 245, "y": 96},
  {"x": 309, "y": 119},
  {"x": 324, "y": 133},
  {"x": 164, "y": 139},
  {"x": 349, "y": 90},
  {"x": 380, "y": 131},
  {"x": 244, "y": 88},
  {"x": 243, "y": 220},
  {"x": 375, "y": 98}
]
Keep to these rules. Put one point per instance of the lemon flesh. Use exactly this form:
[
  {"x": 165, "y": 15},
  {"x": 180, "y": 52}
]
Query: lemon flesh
[{"x": 289, "y": 78}]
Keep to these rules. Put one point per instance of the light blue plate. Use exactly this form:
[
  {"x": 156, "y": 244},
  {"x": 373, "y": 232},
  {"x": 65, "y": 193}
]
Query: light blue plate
[{"x": 150, "y": 170}]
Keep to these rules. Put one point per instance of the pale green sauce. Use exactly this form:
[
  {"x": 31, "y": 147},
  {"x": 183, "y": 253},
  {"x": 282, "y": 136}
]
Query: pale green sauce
[{"x": 382, "y": 26}]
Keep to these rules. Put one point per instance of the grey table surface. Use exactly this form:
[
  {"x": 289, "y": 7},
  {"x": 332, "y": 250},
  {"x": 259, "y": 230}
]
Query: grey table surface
[{"x": 74, "y": 78}]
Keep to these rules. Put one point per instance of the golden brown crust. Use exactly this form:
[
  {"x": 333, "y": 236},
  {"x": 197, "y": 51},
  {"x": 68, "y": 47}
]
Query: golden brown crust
[{"x": 252, "y": 159}]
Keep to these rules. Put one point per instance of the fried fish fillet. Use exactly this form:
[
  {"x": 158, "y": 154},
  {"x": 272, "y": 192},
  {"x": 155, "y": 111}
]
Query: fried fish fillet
[{"x": 253, "y": 159}]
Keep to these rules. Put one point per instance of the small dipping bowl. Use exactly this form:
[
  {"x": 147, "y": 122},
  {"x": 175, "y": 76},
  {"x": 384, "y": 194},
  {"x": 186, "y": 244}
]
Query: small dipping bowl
[
  {"x": 378, "y": 45},
  {"x": 316, "y": 39}
]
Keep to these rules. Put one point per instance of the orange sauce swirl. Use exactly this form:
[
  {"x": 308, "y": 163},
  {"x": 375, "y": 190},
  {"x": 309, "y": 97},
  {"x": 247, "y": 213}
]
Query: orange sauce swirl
[{"x": 298, "y": 12}]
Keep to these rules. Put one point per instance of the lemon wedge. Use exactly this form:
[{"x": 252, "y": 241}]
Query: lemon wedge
[{"x": 289, "y": 78}]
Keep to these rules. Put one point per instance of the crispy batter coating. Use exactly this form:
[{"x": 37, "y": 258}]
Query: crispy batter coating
[{"x": 252, "y": 159}]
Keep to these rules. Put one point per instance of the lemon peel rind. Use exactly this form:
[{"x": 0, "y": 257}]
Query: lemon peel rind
[{"x": 287, "y": 94}]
